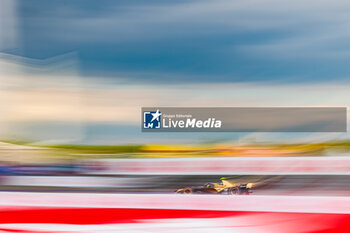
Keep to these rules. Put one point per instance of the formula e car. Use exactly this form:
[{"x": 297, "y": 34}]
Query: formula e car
[{"x": 224, "y": 186}]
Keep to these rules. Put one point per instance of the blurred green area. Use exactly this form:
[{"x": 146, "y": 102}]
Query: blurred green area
[{"x": 177, "y": 150}]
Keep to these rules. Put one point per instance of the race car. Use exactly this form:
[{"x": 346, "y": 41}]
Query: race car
[{"x": 224, "y": 186}]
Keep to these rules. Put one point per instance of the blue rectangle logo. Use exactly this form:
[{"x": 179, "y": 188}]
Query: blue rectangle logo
[{"x": 152, "y": 119}]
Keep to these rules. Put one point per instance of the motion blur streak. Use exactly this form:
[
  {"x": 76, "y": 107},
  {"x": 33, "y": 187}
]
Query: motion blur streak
[
  {"x": 141, "y": 221},
  {"x": 74, "y": 76},
  {"x": 150, "y": 213}
]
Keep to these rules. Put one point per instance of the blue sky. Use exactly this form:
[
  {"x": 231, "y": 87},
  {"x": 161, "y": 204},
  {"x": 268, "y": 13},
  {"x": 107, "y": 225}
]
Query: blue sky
[
  {"x": 198, "y": 41},
  {"x": 103, "y": 60}
]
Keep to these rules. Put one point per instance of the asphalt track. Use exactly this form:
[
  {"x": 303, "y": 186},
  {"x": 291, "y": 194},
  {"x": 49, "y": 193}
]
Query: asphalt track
[{"x": 303, "y": 185}]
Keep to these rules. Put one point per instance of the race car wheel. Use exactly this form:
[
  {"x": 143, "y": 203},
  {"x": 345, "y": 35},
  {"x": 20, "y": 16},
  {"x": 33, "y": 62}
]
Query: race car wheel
[
  {"x": 233, "y": 191},
  {"x": 187, "y": 191}
]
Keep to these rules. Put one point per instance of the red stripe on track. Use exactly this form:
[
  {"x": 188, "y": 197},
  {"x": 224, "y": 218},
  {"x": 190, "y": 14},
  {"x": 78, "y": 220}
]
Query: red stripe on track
[
  {"x": 28, "y": 231},
  {"x": 102, "y": 215},
  {"x": 105, "y": 216}
]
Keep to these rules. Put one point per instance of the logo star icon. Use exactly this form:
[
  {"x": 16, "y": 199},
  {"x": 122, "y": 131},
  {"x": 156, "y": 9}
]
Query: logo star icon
[{"x": 156, "y": 115}]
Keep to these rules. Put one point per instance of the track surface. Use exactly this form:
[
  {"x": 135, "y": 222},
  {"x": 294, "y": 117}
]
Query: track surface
[{"x": 330, "y": 185}]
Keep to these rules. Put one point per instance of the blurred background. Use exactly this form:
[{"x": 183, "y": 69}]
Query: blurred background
[{"x": 75, "y": 74}]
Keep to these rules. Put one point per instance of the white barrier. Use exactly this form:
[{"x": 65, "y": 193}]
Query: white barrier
[
  {"x": 79, "y": 181},
  {"x": 289, "y": 204},
  {"x": 222, "y": 166}
]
